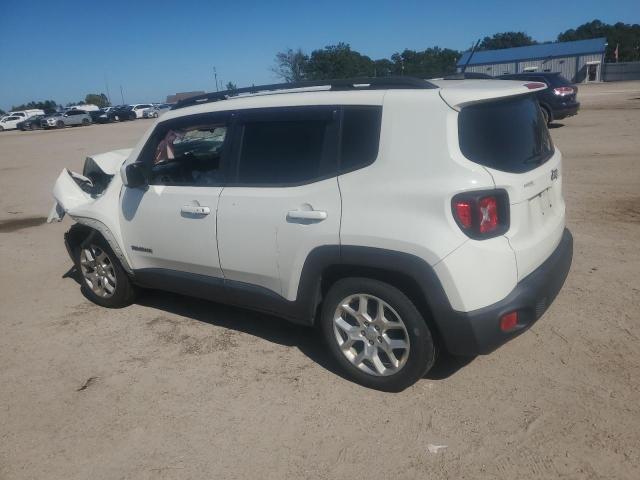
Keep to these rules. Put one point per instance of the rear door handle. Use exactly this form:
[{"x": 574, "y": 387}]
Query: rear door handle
[
  {"x": 195, "y": 210},
  {"x": 313, "y": 215}
]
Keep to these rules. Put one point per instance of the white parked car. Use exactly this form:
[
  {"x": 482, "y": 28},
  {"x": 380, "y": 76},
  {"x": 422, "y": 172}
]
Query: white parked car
[
  {"x": 10, "y": 122},
  {"x": 139, "y": 108},
  {"x": 25, "y": 114},
  {"x": 155, "y": 111},
  {"x": 401, "y": 216},
  {"x": 85, "y": 107}
]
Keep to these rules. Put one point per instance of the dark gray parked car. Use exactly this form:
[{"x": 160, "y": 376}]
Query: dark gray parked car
[{"x": 71, "y": 118}]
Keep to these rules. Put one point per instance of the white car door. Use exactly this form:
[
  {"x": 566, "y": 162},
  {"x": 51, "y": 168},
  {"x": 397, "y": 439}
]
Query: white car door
[
  {"x": 284, "y": 200},
  {"x": 170, "y": 226},
  {"x": 9, "y": 123}
]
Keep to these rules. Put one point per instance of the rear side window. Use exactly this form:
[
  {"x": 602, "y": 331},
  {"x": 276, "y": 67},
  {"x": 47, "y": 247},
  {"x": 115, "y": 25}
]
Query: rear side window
[
  {"x": 360, "y": 136},
  {"x": 280, "y": 152},
  {"x": 507, "y": 135}
]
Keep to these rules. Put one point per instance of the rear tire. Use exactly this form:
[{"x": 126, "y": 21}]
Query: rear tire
[
  {"x": 546, "y": 115},
  {"x": 103, "y": 280},
  {"x": 60, "y": 124},
  {"x": 387, "y": 351},
  {"x": 85, "y": 122}
]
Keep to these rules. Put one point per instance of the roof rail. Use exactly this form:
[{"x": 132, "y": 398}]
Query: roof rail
[{"x": 360, "y": 83}]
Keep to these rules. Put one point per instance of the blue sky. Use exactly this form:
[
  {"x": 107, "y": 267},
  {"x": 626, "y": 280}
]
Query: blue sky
[{"x": 62, "y": 50}]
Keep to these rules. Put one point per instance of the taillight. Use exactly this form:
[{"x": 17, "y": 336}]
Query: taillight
[
  {"x": 482, "y": 214},
  {"x": 463, "y": 213},
  {"x": 563, "y": 91},
  {"x": 488, "y": 214}
]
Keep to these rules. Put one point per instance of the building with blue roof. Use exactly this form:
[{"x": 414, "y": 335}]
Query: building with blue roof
[{"x": 578, "y": 62}]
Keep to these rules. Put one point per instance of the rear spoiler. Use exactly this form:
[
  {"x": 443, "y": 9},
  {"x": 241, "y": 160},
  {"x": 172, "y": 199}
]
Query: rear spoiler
[{"x": 462, "y": 93}]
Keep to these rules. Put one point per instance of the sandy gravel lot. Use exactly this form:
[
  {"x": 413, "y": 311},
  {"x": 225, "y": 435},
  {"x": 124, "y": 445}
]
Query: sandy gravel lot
[{"x": 175, "y": 388}]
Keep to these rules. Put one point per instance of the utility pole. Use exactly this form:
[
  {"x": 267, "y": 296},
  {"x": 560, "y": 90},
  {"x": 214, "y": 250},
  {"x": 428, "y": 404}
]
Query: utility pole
[
  {"x": 121, "y": 95},
  {"x": 215, "y": 75},
  {"x": 106, "y": 84}
]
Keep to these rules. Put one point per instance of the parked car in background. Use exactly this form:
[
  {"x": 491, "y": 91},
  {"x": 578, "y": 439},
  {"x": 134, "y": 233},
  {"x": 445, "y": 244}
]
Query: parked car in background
[
  {"x": 24, "y": 114},
  {"x": 155, "y": 111},
  {"x": 558, "y": 100},
  {"x": 138, "y": 108},
  {"x": 10, "y": 122},
  {"x": 105, "y": 115},
  {"x": 70, "y": 118},
  {"x": 124, "y": 112},
  {"x": 31, "y": 123},
  {"x": 85, "y": 107}
]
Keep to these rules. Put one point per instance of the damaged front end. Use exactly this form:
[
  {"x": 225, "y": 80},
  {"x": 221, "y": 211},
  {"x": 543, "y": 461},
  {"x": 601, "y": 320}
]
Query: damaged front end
[{"x": 74, "y": 191}]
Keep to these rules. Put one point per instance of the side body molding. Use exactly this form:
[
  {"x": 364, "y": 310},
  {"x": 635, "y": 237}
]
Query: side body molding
[{"x": 322, "y": 263}]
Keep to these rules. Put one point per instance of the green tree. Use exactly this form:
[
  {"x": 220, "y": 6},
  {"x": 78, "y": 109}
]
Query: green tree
[
  {"x": 625, "y": 36},
  {"x": 2, "y": 112},
  {"x": 383, "y": 67},
  {"x": 232, "y": 87},
  {"x": 428, "y": 63},
  {"x": 291, "y": 65},
  {"x": 338, "y": 61},
  {"x": 99, "y": 99},
  {"x": 49, "y": 106},
  {"x": 506, "y": 40}
]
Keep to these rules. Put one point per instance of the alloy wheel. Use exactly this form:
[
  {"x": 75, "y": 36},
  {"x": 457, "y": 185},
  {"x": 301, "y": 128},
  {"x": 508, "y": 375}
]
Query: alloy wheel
[
  {"x": 371, "y": 335},
  {"x": 98, "y": 271}
]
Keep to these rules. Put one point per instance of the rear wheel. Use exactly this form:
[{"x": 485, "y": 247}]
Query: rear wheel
[
  {"x": 85, "y": 122},
  {"x": 1, "y": 129},
  {"x": 104, "y": 281},
  {"x": 60, "y": 124},
  {"x": 376, "y": 334},
  {"x": 546, "y": 115}
]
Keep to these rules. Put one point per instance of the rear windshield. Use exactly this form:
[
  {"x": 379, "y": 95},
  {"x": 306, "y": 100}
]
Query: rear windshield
[{"x": 508, "y": 135}]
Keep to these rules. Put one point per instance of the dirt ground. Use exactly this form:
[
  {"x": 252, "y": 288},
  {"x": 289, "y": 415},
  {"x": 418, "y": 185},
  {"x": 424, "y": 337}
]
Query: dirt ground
[{"x": 176, "y": 388}]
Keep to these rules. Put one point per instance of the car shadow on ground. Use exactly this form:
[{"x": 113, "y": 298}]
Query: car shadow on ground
[
  {"x": 555, "y": 125},
  {"x": 273, "y": 329}
]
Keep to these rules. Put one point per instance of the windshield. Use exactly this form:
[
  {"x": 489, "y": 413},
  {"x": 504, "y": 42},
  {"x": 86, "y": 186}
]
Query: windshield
[{"x": 508, "y": 135}]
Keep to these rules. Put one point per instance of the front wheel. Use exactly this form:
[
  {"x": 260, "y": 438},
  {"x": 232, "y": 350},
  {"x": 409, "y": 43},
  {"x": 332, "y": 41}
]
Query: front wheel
[
  {"x": 85, "y": 122},
  {"x": 60, "y": 124},
  {"x": 376, "y": 334},
  {"x": 104, "y": 281}
]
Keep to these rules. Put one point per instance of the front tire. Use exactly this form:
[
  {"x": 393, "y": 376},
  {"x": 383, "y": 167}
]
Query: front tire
[
  {"x": 104, "y": 281},
  {"x": 60, "y": 124},
  {"x": 85, "y": 122},
  {"x": 376, "y": 334}
]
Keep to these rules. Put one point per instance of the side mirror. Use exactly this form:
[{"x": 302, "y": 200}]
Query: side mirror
[{"x": 134, "y": 176}]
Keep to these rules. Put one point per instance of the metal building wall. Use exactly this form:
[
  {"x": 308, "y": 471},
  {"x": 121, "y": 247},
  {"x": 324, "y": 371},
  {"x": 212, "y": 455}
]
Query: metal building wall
[
  {"x": 494, "y": 69},
  {"x": 566, "y": 66}
]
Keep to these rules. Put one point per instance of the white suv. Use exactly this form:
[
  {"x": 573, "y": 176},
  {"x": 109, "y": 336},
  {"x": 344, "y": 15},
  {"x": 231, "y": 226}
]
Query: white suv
[{"x": 398, "y": 215}]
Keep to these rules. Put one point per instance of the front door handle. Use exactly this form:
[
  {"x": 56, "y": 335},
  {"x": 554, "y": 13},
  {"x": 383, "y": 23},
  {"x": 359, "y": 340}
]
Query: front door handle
[
  {"x": 195, "y": 210},
  {"x": 309, "y": 215}
]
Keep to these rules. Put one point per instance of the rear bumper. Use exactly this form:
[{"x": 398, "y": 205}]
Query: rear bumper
[
  {"x": 565, "y": 111},
  {"x": 478, "y": 332}
]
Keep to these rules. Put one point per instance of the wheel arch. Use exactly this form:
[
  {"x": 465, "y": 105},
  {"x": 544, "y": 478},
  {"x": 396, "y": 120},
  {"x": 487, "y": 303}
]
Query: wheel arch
[
  {"x": 84, "y": 229},
  {"x": 402, "y": 281},
  {"x": 411, "y": 274}
]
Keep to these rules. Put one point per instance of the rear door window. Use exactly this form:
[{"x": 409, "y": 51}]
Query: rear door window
[
  {"x": 508, "y": 135},
  {"x": 286, "y": 146}
]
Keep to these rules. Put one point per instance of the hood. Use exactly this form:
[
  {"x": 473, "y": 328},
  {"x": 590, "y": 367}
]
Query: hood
[{"x": 108, "y": 163}]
